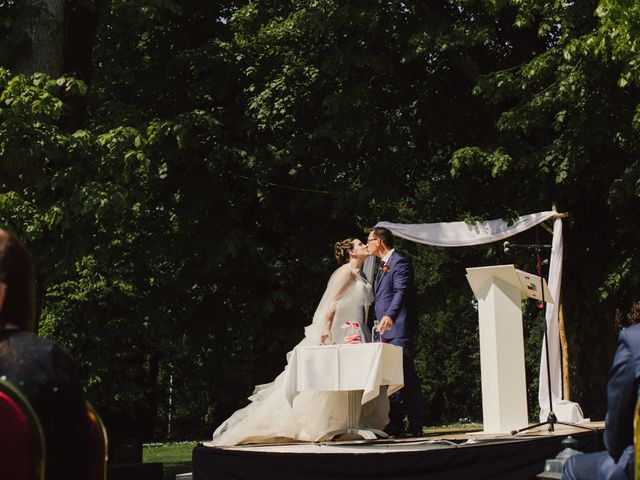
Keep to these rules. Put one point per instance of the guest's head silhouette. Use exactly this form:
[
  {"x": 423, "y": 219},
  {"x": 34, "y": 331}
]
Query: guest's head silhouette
[{"x": 17, "y": 285}]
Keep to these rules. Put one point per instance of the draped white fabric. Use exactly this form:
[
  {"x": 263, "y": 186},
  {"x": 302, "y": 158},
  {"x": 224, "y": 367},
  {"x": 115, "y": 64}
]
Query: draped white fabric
[
  {"x": 555, "y": 273},
  {"x": 564, "y": 410},
  {"x": 460, "y": 234}
]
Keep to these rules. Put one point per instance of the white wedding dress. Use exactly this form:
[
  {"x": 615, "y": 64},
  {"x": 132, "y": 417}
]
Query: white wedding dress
[{"x": 269, "y": 417}]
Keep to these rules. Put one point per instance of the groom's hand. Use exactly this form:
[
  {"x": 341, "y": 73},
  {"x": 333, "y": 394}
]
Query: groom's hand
[{"x": 385, "y": 324}]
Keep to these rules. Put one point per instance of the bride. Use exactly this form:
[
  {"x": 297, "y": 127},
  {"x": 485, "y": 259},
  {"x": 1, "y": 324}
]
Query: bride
[{"x": 339, "y": 318}]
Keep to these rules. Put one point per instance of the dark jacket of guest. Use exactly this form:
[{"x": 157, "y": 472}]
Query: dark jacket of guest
[
  {"x": 622, "y": 395},
  {"x": 44, "y": 372},
  {"x": 616, "y": 462}
]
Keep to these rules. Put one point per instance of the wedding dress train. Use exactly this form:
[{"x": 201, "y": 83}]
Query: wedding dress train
[{"x": 269, "y": 417}]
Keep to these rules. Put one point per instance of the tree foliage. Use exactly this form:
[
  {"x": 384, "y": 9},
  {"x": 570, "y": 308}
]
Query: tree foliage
[{"x": 182, "y": 186}]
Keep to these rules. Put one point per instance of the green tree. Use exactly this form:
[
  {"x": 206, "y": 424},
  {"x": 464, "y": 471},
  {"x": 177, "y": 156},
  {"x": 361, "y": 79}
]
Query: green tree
[
  {"x": 566, "y": 133},
  {"x": 182, "y": 199}
]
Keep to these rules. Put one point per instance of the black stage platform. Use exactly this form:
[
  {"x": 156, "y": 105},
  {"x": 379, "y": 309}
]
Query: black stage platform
[{"x": 445, "y": 456}]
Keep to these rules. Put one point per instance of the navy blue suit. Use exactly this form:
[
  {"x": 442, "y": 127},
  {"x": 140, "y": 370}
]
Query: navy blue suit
[
  {"x": 395, "y": 297},
  {"x": 616, "y": 462}
]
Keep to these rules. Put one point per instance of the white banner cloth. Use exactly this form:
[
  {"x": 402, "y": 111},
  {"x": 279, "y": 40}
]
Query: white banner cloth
[
  {"x": 460, "y": 234},
  {"x": 364, "y": 366},
  {"x": 564, "y": 410}
]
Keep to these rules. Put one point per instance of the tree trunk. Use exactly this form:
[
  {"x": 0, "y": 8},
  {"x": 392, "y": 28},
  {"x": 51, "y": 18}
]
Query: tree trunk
[{"x": 44, "y": 26}]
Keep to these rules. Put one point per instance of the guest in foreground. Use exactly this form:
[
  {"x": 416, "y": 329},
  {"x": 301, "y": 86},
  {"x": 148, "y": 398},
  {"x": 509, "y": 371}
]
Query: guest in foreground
[
  {"x": 617, "y": 461},
  {"x": 338, "y": 319},
  {"x": 41, "y": 369},
  {"x": 395, "y": 307}
]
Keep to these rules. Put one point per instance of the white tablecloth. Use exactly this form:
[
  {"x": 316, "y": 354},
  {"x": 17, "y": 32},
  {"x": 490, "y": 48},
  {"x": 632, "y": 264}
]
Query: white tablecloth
[{"x": 364, "y": 366}]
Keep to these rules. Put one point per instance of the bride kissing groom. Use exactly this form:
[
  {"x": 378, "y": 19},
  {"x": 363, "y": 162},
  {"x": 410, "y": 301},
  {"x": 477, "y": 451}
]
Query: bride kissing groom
[{"x": 340, "y": 318}]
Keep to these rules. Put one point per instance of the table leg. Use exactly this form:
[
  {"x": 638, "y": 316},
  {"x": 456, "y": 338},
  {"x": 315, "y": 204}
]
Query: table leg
[{"x": 354, "y": 410}]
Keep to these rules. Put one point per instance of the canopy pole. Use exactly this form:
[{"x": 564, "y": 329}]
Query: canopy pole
[
  {"x": 566, "y": 385},
  {"x": 564, "y": 346}
]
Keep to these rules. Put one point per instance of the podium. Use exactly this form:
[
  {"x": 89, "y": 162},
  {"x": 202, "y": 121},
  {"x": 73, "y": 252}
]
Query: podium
[{"x": 499, "y": 291}]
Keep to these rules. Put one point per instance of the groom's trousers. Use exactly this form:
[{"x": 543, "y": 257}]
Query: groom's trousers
[{"x": 408, "y": 400}]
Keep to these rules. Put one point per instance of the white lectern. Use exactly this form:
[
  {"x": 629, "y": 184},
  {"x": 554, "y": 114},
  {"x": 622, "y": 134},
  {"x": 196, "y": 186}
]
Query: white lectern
[{"x": 499, "y": 291}]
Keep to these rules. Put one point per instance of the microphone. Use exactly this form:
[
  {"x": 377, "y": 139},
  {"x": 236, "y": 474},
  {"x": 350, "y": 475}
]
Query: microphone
[{"x": 506, "y": 248}]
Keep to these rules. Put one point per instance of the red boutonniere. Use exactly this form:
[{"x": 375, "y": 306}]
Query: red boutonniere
[{"x": 384, "y": 267}]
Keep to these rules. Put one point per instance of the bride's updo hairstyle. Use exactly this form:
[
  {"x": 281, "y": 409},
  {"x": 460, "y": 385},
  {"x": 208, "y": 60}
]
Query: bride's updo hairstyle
[{"x": 341, "y": 250}]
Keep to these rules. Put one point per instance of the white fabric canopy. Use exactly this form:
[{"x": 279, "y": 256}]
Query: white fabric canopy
[{"x": 460, "y": 234}]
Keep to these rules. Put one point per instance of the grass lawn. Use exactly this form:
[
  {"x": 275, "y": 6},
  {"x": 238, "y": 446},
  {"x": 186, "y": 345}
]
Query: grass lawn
[{"x": 176, "y": 457}]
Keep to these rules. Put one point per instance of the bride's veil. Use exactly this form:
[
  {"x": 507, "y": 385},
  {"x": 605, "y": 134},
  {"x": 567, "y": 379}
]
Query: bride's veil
[
  {"x": 227, "y": 433},
  {"x": 336, "y": 287}
]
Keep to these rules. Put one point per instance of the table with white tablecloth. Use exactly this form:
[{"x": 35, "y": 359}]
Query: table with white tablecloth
[{"x": 359, "y": 369}]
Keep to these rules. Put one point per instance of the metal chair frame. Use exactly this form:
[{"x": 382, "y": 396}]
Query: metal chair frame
[
  {"x": 102, "y": 453},
  {"x": 33, "y": 421}
]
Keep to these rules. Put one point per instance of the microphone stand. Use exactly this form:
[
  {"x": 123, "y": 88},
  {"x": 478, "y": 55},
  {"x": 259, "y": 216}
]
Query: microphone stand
[{"x": 551, "y": 417}]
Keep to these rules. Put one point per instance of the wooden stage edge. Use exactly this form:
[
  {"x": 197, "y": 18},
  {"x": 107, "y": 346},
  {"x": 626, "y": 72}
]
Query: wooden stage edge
[{"x": 439, "y": 454}]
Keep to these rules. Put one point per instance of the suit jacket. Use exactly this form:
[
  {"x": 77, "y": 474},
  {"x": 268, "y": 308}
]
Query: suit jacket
[
  {"x": 47, "y": 376},
  {"x": 395, "y": 296},
  {"x": 622, "y": 395}
]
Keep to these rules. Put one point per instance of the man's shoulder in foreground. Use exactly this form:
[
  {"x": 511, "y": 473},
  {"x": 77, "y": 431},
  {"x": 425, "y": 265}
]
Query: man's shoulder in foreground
[{"x": 631, "y": 335}]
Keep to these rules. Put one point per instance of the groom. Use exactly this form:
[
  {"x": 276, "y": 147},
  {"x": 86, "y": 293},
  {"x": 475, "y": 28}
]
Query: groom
[{"x": 395, "y": 307}]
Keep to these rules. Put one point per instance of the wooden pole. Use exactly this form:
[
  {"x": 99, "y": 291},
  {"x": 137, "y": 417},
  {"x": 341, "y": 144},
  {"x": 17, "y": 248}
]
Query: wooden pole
[
  {"x": 566, "y": 386},
  {"x": 564, "y": 346}
]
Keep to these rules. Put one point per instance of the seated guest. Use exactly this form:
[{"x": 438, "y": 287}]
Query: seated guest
[
  {"x": 41, "y": 369},
  {"x": 616, "y": 462}
]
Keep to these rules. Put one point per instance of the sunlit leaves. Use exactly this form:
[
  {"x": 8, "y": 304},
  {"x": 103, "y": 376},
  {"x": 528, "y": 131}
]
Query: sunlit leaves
[
  {"x": 568, "y": 121},
  {"x": 221, "y": 148},
  {"x": 470, "y": 158},
  {"x": 618, "y": 37}
]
